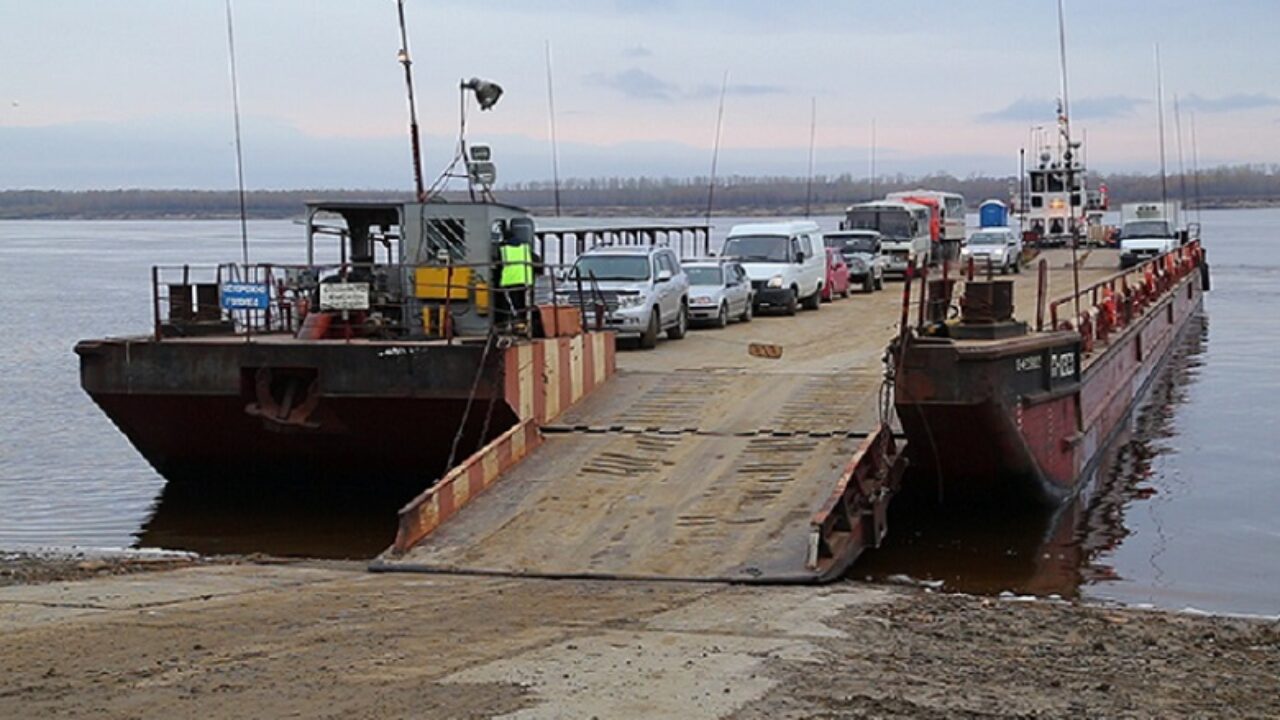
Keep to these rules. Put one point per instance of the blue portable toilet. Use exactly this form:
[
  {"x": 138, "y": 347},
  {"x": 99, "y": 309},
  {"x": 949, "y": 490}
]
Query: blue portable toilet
[{"x": 993, "y": 213}]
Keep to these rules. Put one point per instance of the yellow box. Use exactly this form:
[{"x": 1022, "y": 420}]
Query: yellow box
[
  {"x": 483, "y": 298},
  {"x": 441, "y": 283}
]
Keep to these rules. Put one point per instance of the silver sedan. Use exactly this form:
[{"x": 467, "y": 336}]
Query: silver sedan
[{"x": 719, "y": 290}]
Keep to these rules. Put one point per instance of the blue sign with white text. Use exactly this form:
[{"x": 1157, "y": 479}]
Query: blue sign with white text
[{"x": 244, "y": 296}]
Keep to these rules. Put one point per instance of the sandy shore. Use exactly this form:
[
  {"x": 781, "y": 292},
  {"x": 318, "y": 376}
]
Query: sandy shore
[{"x": 330, "y": 640}]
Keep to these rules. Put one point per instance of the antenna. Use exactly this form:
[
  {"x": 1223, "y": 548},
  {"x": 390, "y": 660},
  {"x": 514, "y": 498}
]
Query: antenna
[
  {"x": 1182, "y": 168},
  {"x": 813, "y": 133},
  {"x": 235, "y": 104},
  {"x": 1195, "y": 163},
  {"x": 1164, "y": 178},
  {"x": 551, "y": 114},
  {"x": 416, "y": 146},
  {"x": 715, "y": 150}
]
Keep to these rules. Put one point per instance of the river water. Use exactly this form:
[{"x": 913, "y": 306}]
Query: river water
[{"x": 1186, "y": 514}]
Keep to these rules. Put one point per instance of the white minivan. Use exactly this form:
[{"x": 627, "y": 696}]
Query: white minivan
[{"x": 786, "y": 262}]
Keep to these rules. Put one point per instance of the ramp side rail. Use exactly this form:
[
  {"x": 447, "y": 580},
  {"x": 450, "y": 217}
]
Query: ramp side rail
[{"x": 854, "y": 517}]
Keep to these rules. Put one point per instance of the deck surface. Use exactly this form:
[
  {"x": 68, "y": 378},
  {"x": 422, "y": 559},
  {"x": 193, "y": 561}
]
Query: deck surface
[{"x": 698, "y": 460}]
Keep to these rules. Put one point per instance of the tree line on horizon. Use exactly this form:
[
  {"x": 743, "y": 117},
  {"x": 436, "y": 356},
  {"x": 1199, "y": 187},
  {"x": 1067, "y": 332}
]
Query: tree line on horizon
[{"x": 1225, "y": 186}]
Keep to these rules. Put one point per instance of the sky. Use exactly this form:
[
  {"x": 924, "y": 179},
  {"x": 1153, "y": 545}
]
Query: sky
[{"x": 112, "y": 94}]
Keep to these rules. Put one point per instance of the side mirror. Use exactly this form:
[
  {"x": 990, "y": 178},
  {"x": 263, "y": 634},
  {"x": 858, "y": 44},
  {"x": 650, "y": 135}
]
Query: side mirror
[
  {"x": 799, "y": 257},
  {"x": 664, "y": 275}
]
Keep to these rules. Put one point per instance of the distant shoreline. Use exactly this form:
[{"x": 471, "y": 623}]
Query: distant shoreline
[
  {"x": 537, "y": 211},
  {"x": 1234, "y": 187}
]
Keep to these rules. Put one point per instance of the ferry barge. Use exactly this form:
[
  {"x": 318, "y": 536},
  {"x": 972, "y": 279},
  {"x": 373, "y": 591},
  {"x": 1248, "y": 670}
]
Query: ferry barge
[
  {"x": 389, "y": 364},
  {"x": 1002, "y": 412}
]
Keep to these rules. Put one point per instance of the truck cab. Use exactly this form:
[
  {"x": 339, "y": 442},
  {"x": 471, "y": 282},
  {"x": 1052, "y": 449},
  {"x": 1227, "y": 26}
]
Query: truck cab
[{"x": 1147, "y": 230}]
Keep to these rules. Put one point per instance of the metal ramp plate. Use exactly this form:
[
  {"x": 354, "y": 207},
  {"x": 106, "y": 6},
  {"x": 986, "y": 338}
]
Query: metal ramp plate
[{"x": 708, "y": 474}]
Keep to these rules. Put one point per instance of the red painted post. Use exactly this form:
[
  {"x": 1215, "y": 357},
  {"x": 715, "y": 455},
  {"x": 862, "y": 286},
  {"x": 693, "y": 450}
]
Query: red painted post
[
  {"x": 906, "y": 299},
  {"x": 1042, "y": 288}
]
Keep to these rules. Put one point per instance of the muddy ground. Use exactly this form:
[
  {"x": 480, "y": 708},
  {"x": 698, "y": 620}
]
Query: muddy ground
[{"x": 331, "y": 640}]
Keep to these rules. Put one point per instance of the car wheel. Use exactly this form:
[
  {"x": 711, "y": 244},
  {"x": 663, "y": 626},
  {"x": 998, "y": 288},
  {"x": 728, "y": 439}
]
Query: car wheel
[
  {"x": 677, "y": 331},
  {"x": 793, "y": 302},
  {"x": 649, "y": 338},
  {"x": 748, "y": 310},
  {"x": 722, "y": 320},
  {"x": 868, "y": 284},
  {"x": 814, "y": 301}
]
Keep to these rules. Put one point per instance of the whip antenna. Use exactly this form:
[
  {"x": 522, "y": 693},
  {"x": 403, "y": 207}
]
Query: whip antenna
[
  {"x": 1164, "y": 175},
  {"x": 555, "y": 151},
  {"x": 715, "y": 149},
  {"x": 235, "y": 105},
  {"x": 403, "y": 57},
  {"x": 813, "y": 133}
]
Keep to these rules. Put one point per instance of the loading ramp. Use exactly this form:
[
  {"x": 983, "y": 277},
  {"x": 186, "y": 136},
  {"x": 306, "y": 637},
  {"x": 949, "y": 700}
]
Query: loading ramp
[{"x": 696, "y": 461}]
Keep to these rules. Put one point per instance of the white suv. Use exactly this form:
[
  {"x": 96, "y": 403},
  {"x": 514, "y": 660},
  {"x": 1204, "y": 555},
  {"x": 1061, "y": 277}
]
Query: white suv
[
  {"x": 644, "y": 289},
  {"x": 786, "y": 261}
]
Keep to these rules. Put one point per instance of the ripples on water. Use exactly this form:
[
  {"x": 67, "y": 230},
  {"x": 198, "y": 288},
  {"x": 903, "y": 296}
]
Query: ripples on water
[{"x": 1184, "y": 516}]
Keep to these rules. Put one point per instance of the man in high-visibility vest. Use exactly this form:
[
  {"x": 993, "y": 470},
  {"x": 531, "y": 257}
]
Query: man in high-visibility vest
[{"x": 515, "y": 275}]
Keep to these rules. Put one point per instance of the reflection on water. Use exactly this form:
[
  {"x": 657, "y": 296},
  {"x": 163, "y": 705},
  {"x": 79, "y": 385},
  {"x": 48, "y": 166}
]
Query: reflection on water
[
  {"x": 1051, "y": 552},
  {"x": 349, "y": 520}
]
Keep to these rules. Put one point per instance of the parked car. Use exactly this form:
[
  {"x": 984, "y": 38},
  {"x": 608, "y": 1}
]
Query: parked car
[
  {"x": 645, "y": 291},
  {"x": 837, "y": 276},
  {"x": 999, "y": 247},
  {"x": 719, "y": 290},
  {"x": 862, "y": 254},
  {"x": 784, "y": 261}
]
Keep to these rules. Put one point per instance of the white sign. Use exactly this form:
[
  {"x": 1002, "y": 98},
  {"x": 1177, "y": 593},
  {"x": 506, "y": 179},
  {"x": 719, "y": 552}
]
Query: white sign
[
  {"x": 1063, "y": 366},
  {"x": 344, "y": 296}
]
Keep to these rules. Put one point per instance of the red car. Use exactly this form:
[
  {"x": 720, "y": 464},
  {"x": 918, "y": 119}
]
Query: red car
[{"x": 837, "y": 276}]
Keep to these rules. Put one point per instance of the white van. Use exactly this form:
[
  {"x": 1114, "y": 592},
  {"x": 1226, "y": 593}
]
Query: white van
[{"x": 786, "y": 261}]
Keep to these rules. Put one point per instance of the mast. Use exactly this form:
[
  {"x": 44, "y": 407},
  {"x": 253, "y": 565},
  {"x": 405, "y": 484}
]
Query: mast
[
  {"x": 414, "y": 143},
  {"x": 1064, "y": 122}
]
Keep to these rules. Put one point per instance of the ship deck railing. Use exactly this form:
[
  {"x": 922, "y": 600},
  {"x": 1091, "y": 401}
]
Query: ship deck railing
[
  {"x": 188, "y": 300},
  {"x": 1108, "y": 306}
]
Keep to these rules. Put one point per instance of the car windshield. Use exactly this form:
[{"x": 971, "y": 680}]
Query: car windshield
[
  {"x": 849, "y": 244},
  {"x": 758, "y": 248},
  {"x": 1147, "y": 229},
  {"x": 986, "y": 239},
  {"x": 613, "y": 267},
  {"x": 892, "y": 223},
  {"x": 704, "y": 275}
]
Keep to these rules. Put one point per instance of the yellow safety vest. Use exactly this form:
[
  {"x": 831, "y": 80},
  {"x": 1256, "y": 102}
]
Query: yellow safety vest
[{"x": 517, "y": 266}]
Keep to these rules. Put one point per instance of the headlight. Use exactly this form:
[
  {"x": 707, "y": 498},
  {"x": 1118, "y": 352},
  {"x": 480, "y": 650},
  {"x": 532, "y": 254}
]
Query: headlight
[
  {"x": 704, "y": 300},
  {"x": 858, "y": 264},
  {"x": 627, "y": 301},
  {"x": 775, "y": 281}
]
